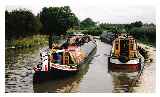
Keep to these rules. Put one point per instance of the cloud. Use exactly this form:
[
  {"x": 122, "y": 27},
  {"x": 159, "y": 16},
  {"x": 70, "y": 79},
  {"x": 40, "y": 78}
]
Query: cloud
[{"x": 99, "y": 10}]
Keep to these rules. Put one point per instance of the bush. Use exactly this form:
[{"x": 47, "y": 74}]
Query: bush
[
  {"x": 93, "y": 31},
  {"x": 146, "y": 35}
]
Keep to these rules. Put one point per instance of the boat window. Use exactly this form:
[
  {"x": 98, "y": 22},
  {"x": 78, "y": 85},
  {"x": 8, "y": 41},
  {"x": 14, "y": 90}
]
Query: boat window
[
  {"x": 66, "y": 58},
  {"x": 132, "y": 41},
  {"x": 131, "y": 47},
  {"x": 116, "y": 46},
  {"x": 57, "y": 58}
]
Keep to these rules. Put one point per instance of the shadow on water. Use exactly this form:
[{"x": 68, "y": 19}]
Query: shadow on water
[{"x": 63, "y": 83}]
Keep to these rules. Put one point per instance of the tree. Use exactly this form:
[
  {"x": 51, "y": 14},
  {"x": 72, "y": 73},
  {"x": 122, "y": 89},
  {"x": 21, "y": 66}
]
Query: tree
[
  {"x": 144, "y": 34},
  {"x": 57, "y": 20},
  {"x": 21, "y": 23},
  {"x": 137, "y": 24},
  {"x": 128, "y": 27},
  {"x": 87, "y": 23}
]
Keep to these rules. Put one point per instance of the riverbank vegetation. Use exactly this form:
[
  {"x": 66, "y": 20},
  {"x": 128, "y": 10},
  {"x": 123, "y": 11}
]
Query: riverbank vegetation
[
  {"x": 145, "y": 33},
  {"x": 22, "y": 24},
  {"x": 30, "y": 41}
]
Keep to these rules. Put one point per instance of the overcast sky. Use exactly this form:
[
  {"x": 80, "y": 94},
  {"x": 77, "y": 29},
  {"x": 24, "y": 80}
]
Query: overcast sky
[{"x": 98, "y": 10}]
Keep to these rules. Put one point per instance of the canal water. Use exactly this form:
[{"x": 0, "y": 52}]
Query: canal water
[{"x": 94, "y": 76}]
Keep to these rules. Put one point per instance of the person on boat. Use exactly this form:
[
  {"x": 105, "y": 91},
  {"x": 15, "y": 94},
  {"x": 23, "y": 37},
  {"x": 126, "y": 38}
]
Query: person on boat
[
  {"x": 77, "y": 41},
  {"x": 55, "y": 46},
  {"x": 83, "y": 40},
  {"x": 66, "y": 44}
]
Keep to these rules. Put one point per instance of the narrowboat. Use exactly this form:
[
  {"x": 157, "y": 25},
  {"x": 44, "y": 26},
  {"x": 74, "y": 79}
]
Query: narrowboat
[
  {"x": 124, "y": 54},
  {"x": 67, "y": 57},
  {"x": 107, "y": 37}
]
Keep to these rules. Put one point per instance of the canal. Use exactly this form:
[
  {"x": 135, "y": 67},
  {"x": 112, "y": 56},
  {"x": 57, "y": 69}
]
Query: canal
[{"x": 94, "y": 76}]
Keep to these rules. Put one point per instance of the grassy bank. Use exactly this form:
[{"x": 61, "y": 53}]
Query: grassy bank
[
  {"x": 27, "y": 42},
  {"x": 148, "y": 52}
]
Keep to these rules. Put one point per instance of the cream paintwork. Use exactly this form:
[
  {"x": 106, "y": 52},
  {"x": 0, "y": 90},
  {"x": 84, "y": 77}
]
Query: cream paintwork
[{"x": 116, "y": 61}]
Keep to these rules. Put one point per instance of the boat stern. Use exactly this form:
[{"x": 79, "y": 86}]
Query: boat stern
[{"x": 132, "y": 65}]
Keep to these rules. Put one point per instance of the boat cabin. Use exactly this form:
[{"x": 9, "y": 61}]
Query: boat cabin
[
  {"x": 68, "y": 52},
  {"x": 124, "y": 46}
]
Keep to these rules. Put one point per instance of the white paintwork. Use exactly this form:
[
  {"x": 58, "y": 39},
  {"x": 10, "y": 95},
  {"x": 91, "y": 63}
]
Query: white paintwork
[
  {"x": 44, "y": 60},
  {"x": 116, "y": 61},
  {"x": 58, "y": 51},
  {"x": 63, "y": 67}
]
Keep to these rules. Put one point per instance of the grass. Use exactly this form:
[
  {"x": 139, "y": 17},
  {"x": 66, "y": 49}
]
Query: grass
[{"x": 27, "y": 42}]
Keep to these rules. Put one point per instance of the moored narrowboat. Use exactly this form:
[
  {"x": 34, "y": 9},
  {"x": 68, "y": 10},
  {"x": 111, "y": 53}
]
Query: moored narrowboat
[
  {"x": 67, "y": 57},
  {"x": 125, "y": 54},
  {"x": 107, "y": 37}
]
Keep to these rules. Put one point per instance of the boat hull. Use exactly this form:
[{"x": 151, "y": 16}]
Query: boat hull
[
  {"x": 133, "y": 65},
  {"x": 124, "y": 67},
  {"x": 43, "y": 76}
]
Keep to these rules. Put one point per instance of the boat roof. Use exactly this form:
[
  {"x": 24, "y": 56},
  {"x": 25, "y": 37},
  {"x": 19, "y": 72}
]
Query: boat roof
[{"x": 58, "y": 51}]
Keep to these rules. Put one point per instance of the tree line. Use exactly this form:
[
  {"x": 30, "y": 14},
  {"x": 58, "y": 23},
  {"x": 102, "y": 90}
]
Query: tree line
[
  {"x": 58, "y": 20},
  {"x": 20, "y": 23},
  {"x": 53, "y": 20},
  {"x": 143, "y": 32}
]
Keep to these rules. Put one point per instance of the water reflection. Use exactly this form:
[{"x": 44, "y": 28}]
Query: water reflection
[
  {"x": 65, "y": 84},
  {"x": 124, "y": 80},
  {"x": 18, "y": 69},
  {"x": 94, "y": 76}
]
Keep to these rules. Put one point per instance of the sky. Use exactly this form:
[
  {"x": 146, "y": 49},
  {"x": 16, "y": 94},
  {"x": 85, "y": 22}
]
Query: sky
[{"x": 99, "y": 10}]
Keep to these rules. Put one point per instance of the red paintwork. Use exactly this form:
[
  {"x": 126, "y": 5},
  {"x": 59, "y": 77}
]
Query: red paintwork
[{"x": 129, "y": 67}]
